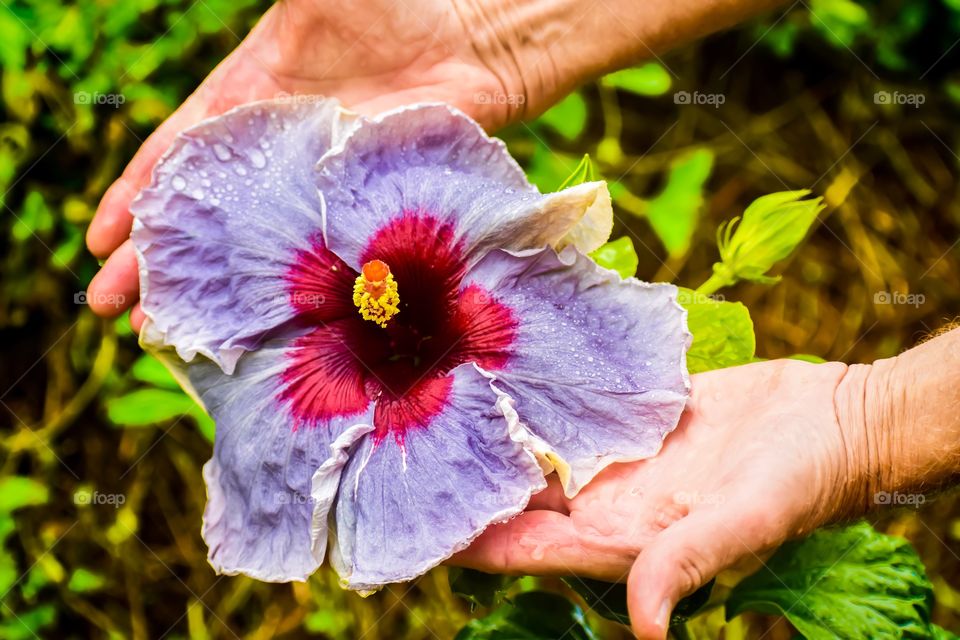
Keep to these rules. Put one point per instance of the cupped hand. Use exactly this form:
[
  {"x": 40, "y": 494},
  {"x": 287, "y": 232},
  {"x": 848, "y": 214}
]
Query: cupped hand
[
  {"x": 371, "y": 56},
  {"x": 758, "y": 457}
]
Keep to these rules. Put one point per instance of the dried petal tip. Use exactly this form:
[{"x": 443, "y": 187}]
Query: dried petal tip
[{"x": 375, "y": 293}]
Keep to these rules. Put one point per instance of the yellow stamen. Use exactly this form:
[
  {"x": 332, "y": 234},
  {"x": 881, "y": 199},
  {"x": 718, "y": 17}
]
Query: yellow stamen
[{"x": 375, "y": 293}]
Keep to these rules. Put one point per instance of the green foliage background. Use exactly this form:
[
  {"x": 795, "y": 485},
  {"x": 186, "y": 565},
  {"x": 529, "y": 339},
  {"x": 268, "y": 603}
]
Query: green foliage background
[{"x": 100, "y": 454}]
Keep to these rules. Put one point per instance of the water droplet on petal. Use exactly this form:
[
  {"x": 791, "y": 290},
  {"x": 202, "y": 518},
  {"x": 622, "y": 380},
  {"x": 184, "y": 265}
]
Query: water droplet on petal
[
  {"x": 221, "y": 151},
  {"x": 241, "y": 171},
  {"x": 257, "y": 159},
  {"x": 198, "y": 194},
  {"x": 178, "y": 183}
]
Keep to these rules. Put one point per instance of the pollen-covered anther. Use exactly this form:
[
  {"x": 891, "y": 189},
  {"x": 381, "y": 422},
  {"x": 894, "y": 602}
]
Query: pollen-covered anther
[{"x": 375, "y": 293}]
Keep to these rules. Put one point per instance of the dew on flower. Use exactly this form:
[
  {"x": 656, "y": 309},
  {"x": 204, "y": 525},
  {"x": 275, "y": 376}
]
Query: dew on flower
[{"x": 380, "y": 294}]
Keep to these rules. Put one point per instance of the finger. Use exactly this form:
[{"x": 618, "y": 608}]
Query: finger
[
  {"x": 544, "y": 543},
  {"x": 551, "y": 498},
  {"x": 115, "y": 288},
  {"x": 531, "y": 543},
  {"x": 110, "y": 226},
  {"x": 682, "y": 558},
  {"x": 136, "y": 318}
]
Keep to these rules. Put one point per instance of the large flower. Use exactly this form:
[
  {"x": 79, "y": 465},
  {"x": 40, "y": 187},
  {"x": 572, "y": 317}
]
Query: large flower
[{"x": 399, "y": 335}]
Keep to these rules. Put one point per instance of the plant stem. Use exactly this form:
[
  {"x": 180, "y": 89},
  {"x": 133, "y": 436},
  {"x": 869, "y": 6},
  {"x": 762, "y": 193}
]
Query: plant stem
[{"x": 713, "y": 284}]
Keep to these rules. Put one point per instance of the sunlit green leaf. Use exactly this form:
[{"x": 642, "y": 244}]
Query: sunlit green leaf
[
  {"x": 722, "y": 332},
  {"x": 35, "y": 217},
  {"x": 21, "y": 491},
  {"x": 807, "y": 357},
  {"x": 618, "y": 255},
  {"x": 675, "y": 211},
  {"x": 150, "y": 370},
  {"x": 28, "y": 625},
  {"x": 848, "y": 583},
  {"x": 204, "y": 423},
  {"x": 649, "y": 79},
  {"x": 568, "y": 117},
  {"x": 548, "y": 169},
  {"x": 83, "y": 581},
  {"x": 148, "y": 406},
  {"x": 534, "y": 615}
]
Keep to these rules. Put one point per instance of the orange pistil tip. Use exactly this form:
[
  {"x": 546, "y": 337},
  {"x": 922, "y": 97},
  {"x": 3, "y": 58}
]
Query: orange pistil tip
[{"x": 375, "y": 293}]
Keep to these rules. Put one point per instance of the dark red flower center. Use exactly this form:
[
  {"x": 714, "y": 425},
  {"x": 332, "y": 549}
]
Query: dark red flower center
[{"x": 344, "y": 362}]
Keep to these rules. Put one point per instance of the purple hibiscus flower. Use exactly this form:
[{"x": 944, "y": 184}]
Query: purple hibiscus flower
[{"x": 399, "y": 335}]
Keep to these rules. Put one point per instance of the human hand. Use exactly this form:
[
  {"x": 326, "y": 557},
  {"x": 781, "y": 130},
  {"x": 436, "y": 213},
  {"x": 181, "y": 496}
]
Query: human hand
[
  {"x": 758, "y": 457},
  {"x": 373, "y": 56}
]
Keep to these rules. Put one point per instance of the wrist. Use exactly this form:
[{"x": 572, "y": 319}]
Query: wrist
[{"x": 867, "y": 461}]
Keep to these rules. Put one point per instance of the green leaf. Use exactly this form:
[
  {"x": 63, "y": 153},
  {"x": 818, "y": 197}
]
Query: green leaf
[
  {"x": 770, "y": 229},
  {"x": 722, "y": 332},
  {"x": 35, "y": 218},
  {"x": 205, "y": 424},
  {"x": 548, "y": 168},
  {"x": 939, "y": 633},
  {"x": 27, "y": 624},
  {"x": 150, "y": 370},
  {"x": 604, "y": 598},
  {"x": 842, "y": 583},
  {"x": 610, "y": 599},
  {"x": 674, "y": 213},
  {"x": 148, "y": 406},
  {"x": 568, "y": 117},
  {"x": 84, "y": 581},
  {"x": 583, "y": 173},
  {"x": 20, "y": 491},
  {"x": 533, "y": 615},
  {"x": 479, "y": 588},
  {"x": 618, "y": 255},
  {"x": 650, "y": 79},
  {"x": 807, "y": 357}
]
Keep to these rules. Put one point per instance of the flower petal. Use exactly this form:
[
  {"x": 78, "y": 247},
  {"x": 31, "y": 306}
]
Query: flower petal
[
  {"x": 432, "y": 161},
  {"x": 261, "y": 506},
  {"x": 405, "y": 506},
  {"x": 597, "y": 366},
  {"x": 231, "y": 209}
]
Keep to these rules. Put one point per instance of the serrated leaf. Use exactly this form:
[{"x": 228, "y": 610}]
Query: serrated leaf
[
  {"x": 848, "y": 583},
  {"x": 533, "y": 615},
  {"x": 618, "y": 255},
  {"x": 722, "y": 331},
  {"x": 675, "y": 211},
  {"x": 650, "y": 79},
  {"x": 148, "y": 406}
]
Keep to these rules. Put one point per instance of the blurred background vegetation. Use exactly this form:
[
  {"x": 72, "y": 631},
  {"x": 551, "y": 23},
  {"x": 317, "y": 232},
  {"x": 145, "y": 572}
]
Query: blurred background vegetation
[{"x": 100, "y": 488}]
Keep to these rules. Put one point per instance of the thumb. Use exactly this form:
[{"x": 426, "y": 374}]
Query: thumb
[{"x": 682, "y": 558}]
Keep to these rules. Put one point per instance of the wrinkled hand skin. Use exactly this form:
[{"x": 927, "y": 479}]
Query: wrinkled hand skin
[
  {"x": 754, "y": 461},
  {"x": 372, "y": 56}
]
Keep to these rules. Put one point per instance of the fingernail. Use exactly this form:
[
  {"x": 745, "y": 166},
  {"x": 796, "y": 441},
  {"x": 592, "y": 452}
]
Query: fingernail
[{"x": 663, "y": 614}]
